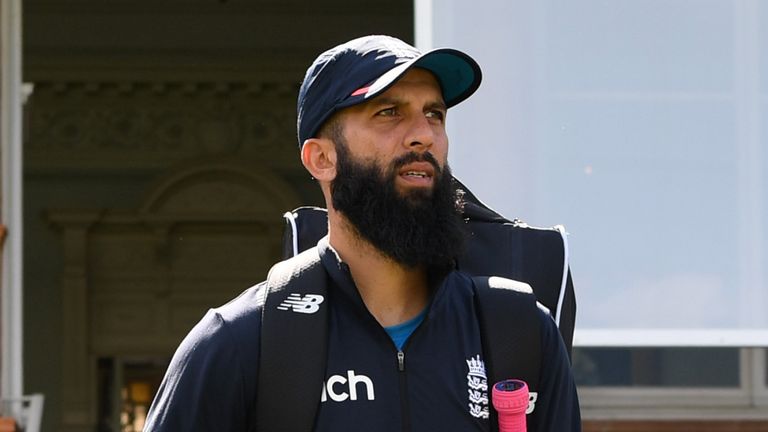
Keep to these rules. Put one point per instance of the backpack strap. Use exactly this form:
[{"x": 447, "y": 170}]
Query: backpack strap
[
  {"x": 510, "y": 332},
  {"x": 304, "y": 227},
  {"x": 294, "y": 333}
]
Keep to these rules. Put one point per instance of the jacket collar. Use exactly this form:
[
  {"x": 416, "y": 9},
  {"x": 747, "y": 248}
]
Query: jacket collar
[{"x": 341, "y": 277}]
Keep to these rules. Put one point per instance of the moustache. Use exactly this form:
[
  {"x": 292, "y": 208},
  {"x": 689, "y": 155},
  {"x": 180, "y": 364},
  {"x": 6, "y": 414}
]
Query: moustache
[{"x": 416, "y": 157}]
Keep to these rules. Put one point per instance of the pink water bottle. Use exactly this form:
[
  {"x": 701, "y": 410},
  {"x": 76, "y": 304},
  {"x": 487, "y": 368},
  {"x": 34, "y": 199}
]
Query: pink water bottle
[{"x": 510, "y": 398}]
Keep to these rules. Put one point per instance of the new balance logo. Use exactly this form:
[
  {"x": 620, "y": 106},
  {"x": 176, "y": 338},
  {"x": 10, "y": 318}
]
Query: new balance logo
[
  {"x": 349, "y": 387},
  {"x": 307, "y": 304},
  {"x": 532, "y": 398}
]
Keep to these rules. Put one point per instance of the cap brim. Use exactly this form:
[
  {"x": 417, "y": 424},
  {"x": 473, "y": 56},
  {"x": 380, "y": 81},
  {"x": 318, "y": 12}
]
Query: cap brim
[{"x": 458, "y": 74}]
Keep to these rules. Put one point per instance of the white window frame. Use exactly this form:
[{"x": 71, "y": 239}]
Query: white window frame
[{"x": 670, "y": 338}]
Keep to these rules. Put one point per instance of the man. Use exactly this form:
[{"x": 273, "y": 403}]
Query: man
[{"x": 404, "y": 347}]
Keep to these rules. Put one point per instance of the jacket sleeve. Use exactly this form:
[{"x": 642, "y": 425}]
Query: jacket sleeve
[
  {"x": 203, "y": 388},
  {"x": 557, "y": 403}
]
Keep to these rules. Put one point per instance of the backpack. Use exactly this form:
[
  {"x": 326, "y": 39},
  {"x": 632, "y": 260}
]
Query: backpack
[{"x": 496, "y": 247}]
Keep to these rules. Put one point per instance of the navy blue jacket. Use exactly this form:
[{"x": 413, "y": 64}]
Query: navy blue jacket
[{"x": 435, "y": 383}]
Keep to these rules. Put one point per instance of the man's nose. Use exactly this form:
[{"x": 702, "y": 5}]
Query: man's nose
[{"x": 421, "y": 134}]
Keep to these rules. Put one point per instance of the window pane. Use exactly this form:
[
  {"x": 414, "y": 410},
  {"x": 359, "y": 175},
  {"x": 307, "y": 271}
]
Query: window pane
[
  {"x": 637, "y": 125},
  {"x": 649, "y": 45},
  {"x": 656, "y": 367},
  {"x": 763, "y": 17}
]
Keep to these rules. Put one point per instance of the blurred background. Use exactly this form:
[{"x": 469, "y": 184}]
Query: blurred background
[{"x": 149, "y": 151}]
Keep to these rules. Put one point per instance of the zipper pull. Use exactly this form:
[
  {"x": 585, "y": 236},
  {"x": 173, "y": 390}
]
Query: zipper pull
[{"x": 400, "y": 361}]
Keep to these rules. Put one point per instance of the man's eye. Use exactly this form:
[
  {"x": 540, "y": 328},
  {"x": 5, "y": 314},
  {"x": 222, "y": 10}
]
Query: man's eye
[
  {"x": 438, "y": 115},
  {"x": 387, "y": 112}
]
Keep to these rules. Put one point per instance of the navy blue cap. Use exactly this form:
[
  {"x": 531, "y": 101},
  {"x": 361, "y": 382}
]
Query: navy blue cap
[{"x": 362, "y": 68}]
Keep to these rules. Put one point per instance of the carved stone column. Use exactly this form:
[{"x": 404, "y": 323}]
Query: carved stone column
[{"x": 78, "y": 366}]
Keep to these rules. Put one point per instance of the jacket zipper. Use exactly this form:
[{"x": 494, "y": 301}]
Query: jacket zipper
[
  {"x": 405, "y": 411},
  {"x": 405, "y": 407}
]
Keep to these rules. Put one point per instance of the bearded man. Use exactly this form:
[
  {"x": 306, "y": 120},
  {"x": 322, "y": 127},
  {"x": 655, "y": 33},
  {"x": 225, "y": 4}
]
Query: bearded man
[{"x": 404, "y": 349}]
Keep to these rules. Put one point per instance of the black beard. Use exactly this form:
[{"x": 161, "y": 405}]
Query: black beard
[{"x": 420, "y": 228}]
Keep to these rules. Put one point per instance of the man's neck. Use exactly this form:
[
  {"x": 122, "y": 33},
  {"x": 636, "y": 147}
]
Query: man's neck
[{"x": 393, "y": 293}]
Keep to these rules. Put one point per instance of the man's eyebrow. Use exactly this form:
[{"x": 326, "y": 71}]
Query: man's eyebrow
[
  {"x": 386, "y": 100},
  {"x": 438, "y": 104},
  {"x": 389, "y": 100}
]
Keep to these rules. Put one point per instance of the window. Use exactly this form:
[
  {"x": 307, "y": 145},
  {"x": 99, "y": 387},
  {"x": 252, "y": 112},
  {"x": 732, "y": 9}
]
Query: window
[
  {"x": 685, "y": 383},
  {"x": 657, "y": 367},
  {"x": 641, "y": 126},
  {"x": 126, "y": 388}
]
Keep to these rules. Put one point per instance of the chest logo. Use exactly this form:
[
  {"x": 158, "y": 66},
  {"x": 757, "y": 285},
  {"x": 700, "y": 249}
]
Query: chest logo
[
  {"x": 340, "y": 388},
  {"x": 477, "y": 387},
  {"x": 307, "y": 304}
]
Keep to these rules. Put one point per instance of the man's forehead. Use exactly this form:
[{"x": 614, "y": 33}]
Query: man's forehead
[
  {"x": 418, "y": 75},
  {"x": 404, "y": 86}
]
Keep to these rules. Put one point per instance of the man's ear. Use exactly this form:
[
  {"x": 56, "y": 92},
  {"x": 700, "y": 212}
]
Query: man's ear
[{"x": 319, "y": 158}]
